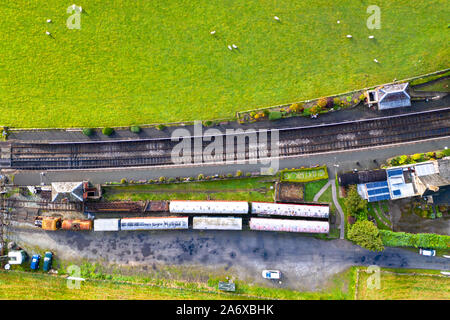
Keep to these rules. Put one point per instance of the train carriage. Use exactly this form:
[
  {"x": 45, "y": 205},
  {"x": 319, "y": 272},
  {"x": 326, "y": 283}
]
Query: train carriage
[
  {"x": 305, "y": 226},
  {"x": 154, "y": 223},
  {"x": 217, "y": 223},
  {"x": 209, "y": 207},
  {"x": 293, "y": 210}
]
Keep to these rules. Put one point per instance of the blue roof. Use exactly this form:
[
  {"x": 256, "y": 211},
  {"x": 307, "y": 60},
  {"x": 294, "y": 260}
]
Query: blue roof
[
  {"x": 380, "y": 198},
  {"x": 394, "y": 172}
]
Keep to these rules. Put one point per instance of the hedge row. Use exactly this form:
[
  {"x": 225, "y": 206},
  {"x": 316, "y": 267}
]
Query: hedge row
[{"x": 419, "y": 240}]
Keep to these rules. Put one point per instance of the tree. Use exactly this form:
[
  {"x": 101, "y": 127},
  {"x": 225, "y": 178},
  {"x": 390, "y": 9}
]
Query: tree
[
  {"x": 366, "y": 235},
  {"x": 322, "y": 102},
  {"x": 356, "y": 206}
]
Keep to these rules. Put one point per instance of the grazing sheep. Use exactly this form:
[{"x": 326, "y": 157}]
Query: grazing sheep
[
  {"x": 234, "y": 46},
  {"x": 213, "y": 32},
  {"x": 276, "y": 18},
  {"x": 338, "y": 22},
  {"x": 375, "y": 60},
  {"x": 47, "y": 33},
  {"x": 49, "y": 20},
  {"x": 371, "y": 37},
  {"x": 349, "y": 36},
  {"x": 229, "y": 47}
]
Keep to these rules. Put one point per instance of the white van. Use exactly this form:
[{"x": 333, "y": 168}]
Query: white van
[{"x": 427, "y": 252}]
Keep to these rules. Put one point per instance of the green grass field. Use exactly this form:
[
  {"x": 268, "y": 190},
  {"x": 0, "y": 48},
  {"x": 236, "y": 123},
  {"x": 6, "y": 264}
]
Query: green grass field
[
  {"x": 138, "y": 62},
  {"x": 245, "y": 189},
  {"x": 405, "y": 287}
]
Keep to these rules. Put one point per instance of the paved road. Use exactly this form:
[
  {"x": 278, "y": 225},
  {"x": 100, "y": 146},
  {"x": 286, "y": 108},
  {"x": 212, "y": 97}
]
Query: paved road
[
  {"x": 306, "y": 262},
  {"x": 346, "y": 160}
]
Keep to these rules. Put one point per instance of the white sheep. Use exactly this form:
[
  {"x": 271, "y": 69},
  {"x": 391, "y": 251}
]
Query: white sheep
[
  {"x": 371, "y": 37},
  {"x": 234, "y": 46},
  {"x": 213, "y": 32},
  {"x": 375, "y": 60},
  {"x": 229, "y": 47},
  {"x": 276, "y": 18},
  {"x": 49, "y": 20},
  {"x": 47, "y": 33},
  {"x": 338, "y": 22},
  {"x": 349, "y": 36}
]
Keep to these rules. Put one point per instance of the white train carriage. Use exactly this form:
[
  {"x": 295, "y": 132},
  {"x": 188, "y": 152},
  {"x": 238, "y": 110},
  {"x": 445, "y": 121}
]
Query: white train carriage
[
  {"x": 306, "y": 226},
  {"x": 154, "y": 223},
  {"x": 106, "y": 224},
  {"x": 293, "y": 210},
  {"x": 209, "y": 207},
  {"x": 217, "y": 223}
]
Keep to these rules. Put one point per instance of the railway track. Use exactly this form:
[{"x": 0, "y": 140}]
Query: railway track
[{"x": 291, "y": 142}]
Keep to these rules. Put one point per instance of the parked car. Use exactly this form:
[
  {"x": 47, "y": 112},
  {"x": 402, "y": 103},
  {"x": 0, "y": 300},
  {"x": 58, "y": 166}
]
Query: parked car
[
  {"x": 35, "y": 262},
  {"x": 48, "y": 259},
  {"x": 271, "y": 274},
  {"x": 427, "y": 252}
]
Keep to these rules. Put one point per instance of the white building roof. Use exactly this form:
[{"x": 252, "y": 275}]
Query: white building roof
[
  {"x": 264, "y": 224},
  {"x": 67, "y": 190},
  {"x": 106, "y": 224},
  {"x": 284, "y": 209},
  {"x": 214, "y": 207},
  {"x": 216, "y": 223},
  {"x": 425, "y": 169}
]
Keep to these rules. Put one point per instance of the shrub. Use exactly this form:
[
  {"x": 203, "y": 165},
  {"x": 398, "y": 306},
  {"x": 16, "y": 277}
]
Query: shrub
[
  {"x": 366, "y": 235},
  {"x": 239, "y": 173},
  {"x": 200, "y": 176},
  {"x": 252, "y": 114},
  {"x": 229, "y": 175},
  {"x": 266, "y": 113},
  {"x": 362, "y": 97},
  {"x": 107, "y": 131},
  {"x": 135, "y": 129},
  {"x": 403, "y": 159},
  {"x": 446, "y": 152},
  {"x": 419, "y": 240},
  {"x": 296, "y": 107},
  {"x": 123, "y": 181},
  {"x": 248, "y": 174},
  {"x": 88, "y": 132},
  {"x": 171, "y": 179},
  {"x": 417, "y": 157},
  {"x": 315, "y": 109},
  {"x": 160, "y": 127},
  {"x": 162, "y": 179},
  {"x": 322, "y": 102},
  {"x": 207, "y": 123},
  {"x": 439, "y": 155},
  {"x": 430, "y": 155},
  {"x": 330, "y": 103},
  {"x": 275, "y": 115}
]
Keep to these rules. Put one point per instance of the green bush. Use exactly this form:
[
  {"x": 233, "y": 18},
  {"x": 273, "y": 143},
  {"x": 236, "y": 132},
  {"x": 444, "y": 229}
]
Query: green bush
[
  {"x": 160, "y": 127},
  {"x": 275, "y": 115},
  {"x": 162, "y": 179},
  {"x": 419, "y": 240},
  {"x": 446, "y": 152},
  {"x": 207, "y": 123},
  {"x": 248, "y": 174},
  {"x": 123, "y": 181},
  {"x": 135, "y": 129},
  {"x": 200, "y": 176},
  {"x": 88, "y": 132},
  {"x": 239, "y": 173},
  {"x": 107, "y": 131},
  {"x": 171, "y": 180},
  {"x": 366, "y": 235}
]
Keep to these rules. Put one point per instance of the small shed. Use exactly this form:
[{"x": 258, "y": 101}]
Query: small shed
[
  {"x": 389, "y": 96},
  {"x": 67, "y": 191}
]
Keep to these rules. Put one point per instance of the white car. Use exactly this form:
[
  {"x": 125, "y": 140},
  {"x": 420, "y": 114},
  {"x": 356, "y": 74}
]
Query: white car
[
  {"x": 271, "y": 274},
  {"x": 427, "y": 252}
]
